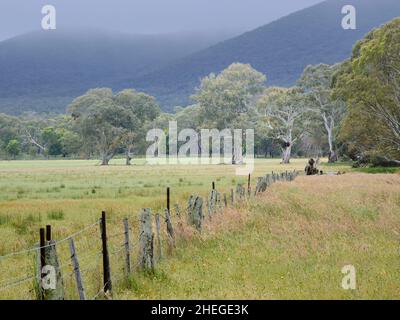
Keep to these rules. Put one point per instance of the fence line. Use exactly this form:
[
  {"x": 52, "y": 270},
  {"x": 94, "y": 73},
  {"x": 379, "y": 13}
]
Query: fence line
[{"x": 144, "y": 245}]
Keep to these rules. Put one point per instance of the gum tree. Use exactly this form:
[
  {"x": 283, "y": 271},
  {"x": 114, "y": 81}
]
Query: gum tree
[
  {"x": 112, "y": 122},
  {"x": 143, "y": 109},
  {"x": 225, "y": 99},
  {"x": 370, "y": 84},
  {"x": 282, "y": 111},
  {"x": 316, "y": 81}
]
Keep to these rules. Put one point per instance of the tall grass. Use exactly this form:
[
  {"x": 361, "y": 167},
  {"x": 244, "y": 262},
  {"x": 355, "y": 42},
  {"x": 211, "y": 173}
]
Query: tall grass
[{"x": 70, "y": 195}]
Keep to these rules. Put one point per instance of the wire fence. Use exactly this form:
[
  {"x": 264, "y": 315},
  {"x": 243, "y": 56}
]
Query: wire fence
[{"x": 83, "y": 260}]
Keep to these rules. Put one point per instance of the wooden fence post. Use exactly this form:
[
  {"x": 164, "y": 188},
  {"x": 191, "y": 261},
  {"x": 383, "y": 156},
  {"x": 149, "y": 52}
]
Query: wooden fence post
[
  {"x": 42, "y": 243},
  {"x": 38, "y": 273},
  {"x": 218, "y": 201},
  {"x": 53, "y": 273},
  {"x": 128, "y": 269},
  {"x": 258, "y": 186},
  {"x": 170, "y": 229},
  {"x": 249, "y": 185},
  {"x": 195, "y": 212},
  {"x": 106, "y": 260},
  {"x": 77, "y": 272},
  {"x": 240, "y": 192},
  {"x": 212, "y": 201},
  {"x": 158, "y": 229},
  {"x": 48, "y": 232},
  {"x": 40, "y": 262},
  {"x": 52, "y": 281},
  {"x": 225, "y": 200},
  {"x": 146, "y": 242},
  {"x": 168, "y": 200},
  {"x": 232, "y": 197}
]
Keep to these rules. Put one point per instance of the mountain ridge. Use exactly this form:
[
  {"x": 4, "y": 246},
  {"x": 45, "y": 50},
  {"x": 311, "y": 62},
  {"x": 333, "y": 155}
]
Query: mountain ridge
[
  {"x": 170, "y": 70},
  {"x": 283, "y": 63},
  {"x": 43, "y": 71}
]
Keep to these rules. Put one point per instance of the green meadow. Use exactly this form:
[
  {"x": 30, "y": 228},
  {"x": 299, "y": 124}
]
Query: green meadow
[{"x": 290, "y": 242}]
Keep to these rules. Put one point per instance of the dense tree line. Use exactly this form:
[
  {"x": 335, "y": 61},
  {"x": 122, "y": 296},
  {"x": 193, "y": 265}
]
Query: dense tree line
[{"x": 351, "y": 109}]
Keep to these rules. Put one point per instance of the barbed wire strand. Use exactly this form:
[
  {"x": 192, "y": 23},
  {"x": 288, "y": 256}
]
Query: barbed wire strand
[
  {"x": 49, "y": 245},
  {"x": 16, "y": 283}
]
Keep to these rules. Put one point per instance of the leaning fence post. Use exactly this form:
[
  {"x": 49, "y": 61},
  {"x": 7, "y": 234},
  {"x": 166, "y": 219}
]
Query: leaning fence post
[
  {"x": 158, "y": 229},
  {"x": 146, "y": 240},
  {"x": 127, "y": 249},
  {"x": 77, "y": 272},
  {"x": 106, "y": 260}
]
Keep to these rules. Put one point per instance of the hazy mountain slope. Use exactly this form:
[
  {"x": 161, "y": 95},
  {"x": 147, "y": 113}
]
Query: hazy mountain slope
[
  {"x": 43, "y": 71},
  {"x": 280, "y": 49}
]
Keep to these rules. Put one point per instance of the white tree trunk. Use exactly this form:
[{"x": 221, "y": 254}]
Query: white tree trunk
[
  {"x": 329, "y": 126},
  {"x": 286, "y": 154},
  {"x": 128, "y": 155},
  {"x": 105, "y": 158}
]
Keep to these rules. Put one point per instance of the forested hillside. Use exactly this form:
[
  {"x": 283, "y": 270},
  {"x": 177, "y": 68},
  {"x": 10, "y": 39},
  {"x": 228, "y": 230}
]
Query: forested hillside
[
  {"x": 44, "y": 71},
  {"x": 281, "y": 49}
]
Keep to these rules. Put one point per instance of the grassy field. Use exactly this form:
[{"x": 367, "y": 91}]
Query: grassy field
[{"x": 290, "y": 243}]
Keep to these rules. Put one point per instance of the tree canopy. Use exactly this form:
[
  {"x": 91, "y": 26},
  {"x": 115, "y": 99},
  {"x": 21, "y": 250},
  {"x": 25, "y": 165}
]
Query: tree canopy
[
  {"x": 109, "y": 122},
  {"x": 370, "y": 84}
]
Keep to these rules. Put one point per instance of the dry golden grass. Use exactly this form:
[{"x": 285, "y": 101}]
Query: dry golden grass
[{"x": 291, "y": 243}]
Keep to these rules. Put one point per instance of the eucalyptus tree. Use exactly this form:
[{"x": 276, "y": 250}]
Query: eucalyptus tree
[
  {"x": 316, "y": 81},
  {"x": 282, "y": 111},
  {"x": 225, "y": 100},
  {"x": 370, "y": 84},
  {"x": 111, "y": 122},
  {"x": 9, "y": 130},
  {"x": 143, "y": 109}
]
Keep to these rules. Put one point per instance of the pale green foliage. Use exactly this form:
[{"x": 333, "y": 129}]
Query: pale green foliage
[
  {"x": 282, "y": 111},
  {"x": 370, "y": 84},
  {"x": 222, "y": 98},
  {"x": 13, "y": 148},
  {"x": 316, "y": 81},
  {"x": 111, "y": 121}
]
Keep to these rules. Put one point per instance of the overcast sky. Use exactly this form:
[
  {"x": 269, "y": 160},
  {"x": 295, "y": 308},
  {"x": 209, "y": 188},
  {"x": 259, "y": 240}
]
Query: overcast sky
[{"x": 147, "y": 16}]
